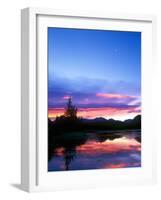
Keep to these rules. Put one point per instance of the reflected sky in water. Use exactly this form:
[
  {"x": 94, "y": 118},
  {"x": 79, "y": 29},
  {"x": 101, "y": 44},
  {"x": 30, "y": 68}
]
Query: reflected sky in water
[{"x": 99, "y": 152}]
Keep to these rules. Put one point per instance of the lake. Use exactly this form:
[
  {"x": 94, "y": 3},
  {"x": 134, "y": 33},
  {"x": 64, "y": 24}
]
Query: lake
[{"x": 95, "y": 150}]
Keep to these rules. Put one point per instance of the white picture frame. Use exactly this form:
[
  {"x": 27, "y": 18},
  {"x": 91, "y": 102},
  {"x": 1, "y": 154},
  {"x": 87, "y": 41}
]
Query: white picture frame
[{"x": 34, "y": 22}]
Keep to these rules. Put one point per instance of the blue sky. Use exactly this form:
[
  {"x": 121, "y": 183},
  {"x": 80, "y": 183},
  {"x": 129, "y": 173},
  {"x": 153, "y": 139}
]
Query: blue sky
[{"x": 83, "y": 63}]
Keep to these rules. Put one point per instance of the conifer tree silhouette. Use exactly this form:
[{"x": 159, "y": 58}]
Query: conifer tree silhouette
[{"x": 71, "y": 110}]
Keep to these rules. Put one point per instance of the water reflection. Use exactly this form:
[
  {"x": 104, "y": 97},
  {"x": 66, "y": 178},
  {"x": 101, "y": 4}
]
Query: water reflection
[{"x": 95, "y": 150}]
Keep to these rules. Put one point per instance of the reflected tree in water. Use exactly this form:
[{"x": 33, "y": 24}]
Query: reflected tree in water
[
  {"x": 69, "y": 154},
  {"x": 69, "y": 131}
]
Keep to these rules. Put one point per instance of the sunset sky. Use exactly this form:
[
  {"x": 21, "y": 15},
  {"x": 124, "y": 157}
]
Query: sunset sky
[{"x": 100, "y": 70}]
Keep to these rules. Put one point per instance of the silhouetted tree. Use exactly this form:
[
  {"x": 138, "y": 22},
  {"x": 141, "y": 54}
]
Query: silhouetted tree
[
  {"x": 69, "y": 155},
  {"x": 71, "y": 110}
]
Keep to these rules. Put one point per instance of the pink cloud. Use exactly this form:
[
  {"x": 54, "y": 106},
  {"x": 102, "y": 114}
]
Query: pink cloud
[
  {"x": 66, "y": 97},
  {"x": 115, "y": 96}
]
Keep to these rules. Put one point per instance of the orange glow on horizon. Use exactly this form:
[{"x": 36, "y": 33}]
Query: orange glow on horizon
[{"x": 106, "y": 112}]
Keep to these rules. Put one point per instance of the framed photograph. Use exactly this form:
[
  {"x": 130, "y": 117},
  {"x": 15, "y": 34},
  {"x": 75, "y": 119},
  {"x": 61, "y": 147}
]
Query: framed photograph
[{"x": 87, "y": 112}]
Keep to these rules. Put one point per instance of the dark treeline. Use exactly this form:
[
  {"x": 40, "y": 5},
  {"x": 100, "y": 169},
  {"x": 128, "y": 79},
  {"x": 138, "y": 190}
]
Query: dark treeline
[
  {"x": 63, "y": 124},
  {"x": 69, "y": 122},
  {"x": 69, "y": 131}
]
